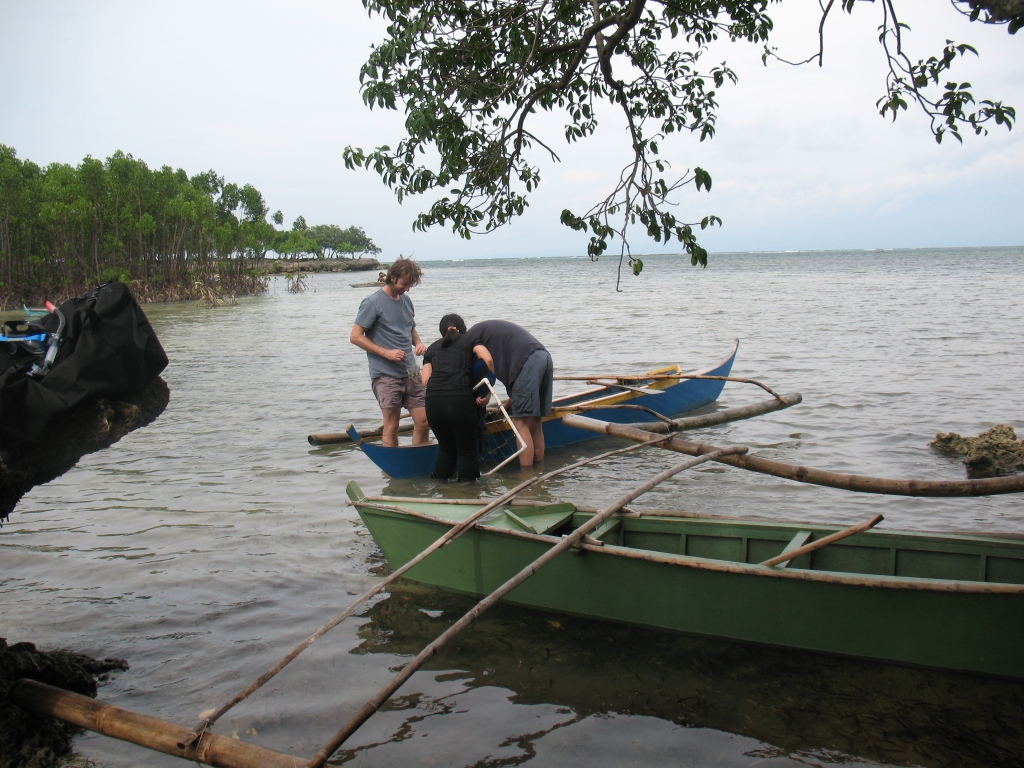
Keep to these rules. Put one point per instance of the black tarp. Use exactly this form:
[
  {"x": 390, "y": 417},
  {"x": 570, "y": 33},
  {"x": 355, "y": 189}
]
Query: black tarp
[{"x": 108, "y": 350}]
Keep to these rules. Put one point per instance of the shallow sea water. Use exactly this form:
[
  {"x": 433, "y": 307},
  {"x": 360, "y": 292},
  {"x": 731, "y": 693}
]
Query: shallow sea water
[{"x": 205, "y": 546}]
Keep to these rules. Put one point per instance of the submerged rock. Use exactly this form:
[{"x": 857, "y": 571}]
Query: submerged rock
[
  {"x": 28, "y": 740},
  {"x": 992, "y": 453},
  {"x": 91, "y": 427}
]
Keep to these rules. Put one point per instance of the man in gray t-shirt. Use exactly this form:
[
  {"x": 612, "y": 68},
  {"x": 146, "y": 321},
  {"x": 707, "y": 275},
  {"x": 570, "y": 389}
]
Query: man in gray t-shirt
[{"x": 385, "y": 328}]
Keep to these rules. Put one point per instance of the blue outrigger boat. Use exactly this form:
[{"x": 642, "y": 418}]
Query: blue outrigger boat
[{"x": 647, "y": 396}]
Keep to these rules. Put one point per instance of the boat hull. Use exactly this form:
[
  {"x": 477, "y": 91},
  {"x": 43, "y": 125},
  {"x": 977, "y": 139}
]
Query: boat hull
[
  {"x": 675, "y": 399},
  {"x": 896, "y": 617}
]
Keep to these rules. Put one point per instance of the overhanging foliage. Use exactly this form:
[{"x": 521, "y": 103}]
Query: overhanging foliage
[{"x": 472, "y": 76}]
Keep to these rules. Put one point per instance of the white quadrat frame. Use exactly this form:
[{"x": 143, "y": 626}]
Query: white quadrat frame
[{"x": 519, "y": 438}]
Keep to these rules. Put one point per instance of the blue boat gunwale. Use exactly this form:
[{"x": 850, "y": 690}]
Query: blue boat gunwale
[
  {"x": 725, "y": 566},
  {"x": 404, "y": 461},
  {"x": 595, "y": 396}
]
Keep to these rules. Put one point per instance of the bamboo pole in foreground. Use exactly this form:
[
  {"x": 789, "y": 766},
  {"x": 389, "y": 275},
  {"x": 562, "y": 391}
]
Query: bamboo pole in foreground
[
  {"x": 444, "y": 540},
  {"x": 149, "y": 732},
  {"x": 563, "y": 544},
  {"x": 860, "y": 483}
]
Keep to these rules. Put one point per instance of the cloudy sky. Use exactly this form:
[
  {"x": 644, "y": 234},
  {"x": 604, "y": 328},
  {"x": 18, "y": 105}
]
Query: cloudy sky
[{"x": 267, "y": 93}]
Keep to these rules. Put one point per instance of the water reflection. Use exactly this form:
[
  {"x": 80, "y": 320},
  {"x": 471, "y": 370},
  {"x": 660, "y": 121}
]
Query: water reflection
[{"x": 797, "y": 707}]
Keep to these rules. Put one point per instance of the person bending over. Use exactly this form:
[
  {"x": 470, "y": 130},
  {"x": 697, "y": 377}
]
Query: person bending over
[{"x": 524, "y": 366}]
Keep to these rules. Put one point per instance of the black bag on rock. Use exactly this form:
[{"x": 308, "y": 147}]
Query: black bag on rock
[{"x": 106, "y": 349}]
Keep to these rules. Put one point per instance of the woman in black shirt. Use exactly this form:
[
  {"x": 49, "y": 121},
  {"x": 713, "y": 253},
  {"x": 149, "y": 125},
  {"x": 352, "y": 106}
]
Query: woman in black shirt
[{"x": 451, "y": 405}]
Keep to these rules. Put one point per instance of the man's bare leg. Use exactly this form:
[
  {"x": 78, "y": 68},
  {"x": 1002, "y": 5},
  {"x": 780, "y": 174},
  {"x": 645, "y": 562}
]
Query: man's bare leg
[
  {"x": 533, "y": 435},
  {"x": 389, "y": 435},
  {"x": 420, "y": 427},
  {"x": 537, "y": 431}
]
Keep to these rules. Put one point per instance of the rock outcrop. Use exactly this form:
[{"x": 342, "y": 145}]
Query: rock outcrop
[{"x": 990, "y": 454}]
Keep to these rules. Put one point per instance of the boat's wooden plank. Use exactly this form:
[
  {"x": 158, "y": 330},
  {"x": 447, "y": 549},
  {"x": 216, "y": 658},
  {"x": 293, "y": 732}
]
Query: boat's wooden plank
[
  {"x": 930, "y": 564},
  {"x": 539, "y": 520},
  {"x": 547, "y": 509},
  {"x": 517, "y": 520},
  {"x": 797, "y": 541},
  {"x": 606, "y": 528},
  {"x": 1005, "y": 570}
]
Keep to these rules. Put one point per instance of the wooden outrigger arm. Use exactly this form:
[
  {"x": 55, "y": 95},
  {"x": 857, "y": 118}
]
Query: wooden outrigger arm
[{"x": 988, "y": 486}]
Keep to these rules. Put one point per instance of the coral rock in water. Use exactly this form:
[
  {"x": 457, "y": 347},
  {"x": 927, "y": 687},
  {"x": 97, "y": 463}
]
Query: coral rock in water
[{"x": 992, "y": 453}]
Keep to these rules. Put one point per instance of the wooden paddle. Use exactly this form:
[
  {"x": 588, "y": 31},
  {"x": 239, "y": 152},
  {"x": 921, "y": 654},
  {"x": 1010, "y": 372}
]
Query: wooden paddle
[
  {"x": 825, "y": 541},
  {"x": 668, "y": 376}
]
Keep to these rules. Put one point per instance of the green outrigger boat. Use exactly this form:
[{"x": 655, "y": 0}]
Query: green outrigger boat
[{"x": 936, "y": 600}]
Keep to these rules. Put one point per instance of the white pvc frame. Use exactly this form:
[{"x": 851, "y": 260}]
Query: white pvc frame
[{"x": 519, "y": 438}]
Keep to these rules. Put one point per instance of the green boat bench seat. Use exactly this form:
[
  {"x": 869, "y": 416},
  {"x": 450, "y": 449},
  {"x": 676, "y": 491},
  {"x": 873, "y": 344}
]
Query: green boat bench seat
[{"x": 531, "y": 519}]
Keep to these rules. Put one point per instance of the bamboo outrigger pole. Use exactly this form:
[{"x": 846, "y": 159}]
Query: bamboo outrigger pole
[
  {"x": 862, "y": 483},
  {"x": 149, "y": 732},
  {"x": 444, "y": 540},
  {"x": 563, "y": 544}
]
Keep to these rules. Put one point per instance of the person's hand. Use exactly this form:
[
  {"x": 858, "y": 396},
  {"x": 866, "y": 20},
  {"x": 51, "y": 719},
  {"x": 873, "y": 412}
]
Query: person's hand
[
  {"x": 394, "y": 354},
  {"x": 420, "y": 349},
  {"x": 483, "y": 400}
]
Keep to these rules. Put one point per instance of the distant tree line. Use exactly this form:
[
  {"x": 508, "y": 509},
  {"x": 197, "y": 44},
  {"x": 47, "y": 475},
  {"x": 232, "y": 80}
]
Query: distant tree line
[
  {"x": 166, "y": 234},
  {"x": 322, "y": 241}
]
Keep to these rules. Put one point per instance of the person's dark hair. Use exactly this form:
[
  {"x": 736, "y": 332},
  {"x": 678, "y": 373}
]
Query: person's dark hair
[
  {"x": 451, "y": 327},
  {"x": 406, "y": 268}
]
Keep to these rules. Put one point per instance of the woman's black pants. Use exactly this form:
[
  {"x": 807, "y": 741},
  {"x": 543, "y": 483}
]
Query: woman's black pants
[{"x": 454, "y": 420}]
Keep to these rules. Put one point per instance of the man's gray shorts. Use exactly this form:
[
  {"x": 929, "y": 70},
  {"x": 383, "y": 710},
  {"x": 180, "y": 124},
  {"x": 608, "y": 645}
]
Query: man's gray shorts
[
  {"x": 393, "y": 392},
  {"x": 531, "y": 391}
]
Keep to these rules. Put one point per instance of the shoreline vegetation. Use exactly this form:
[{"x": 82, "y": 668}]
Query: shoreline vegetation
[{"x": 167, "y": 235}]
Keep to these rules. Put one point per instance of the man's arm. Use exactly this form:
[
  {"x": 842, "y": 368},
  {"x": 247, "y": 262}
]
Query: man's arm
[
  {"x": 360, "y": 339},
  {"x": 484, "y": 397},
  {"x": 418, "y": 346}
]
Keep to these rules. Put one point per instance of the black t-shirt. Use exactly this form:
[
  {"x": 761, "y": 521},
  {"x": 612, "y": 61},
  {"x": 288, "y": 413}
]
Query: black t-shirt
[{"x": 451, "y": 367}]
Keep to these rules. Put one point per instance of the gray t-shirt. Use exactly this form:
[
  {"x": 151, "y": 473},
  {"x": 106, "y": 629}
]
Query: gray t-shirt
[{"x": 388, "y": 323}]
